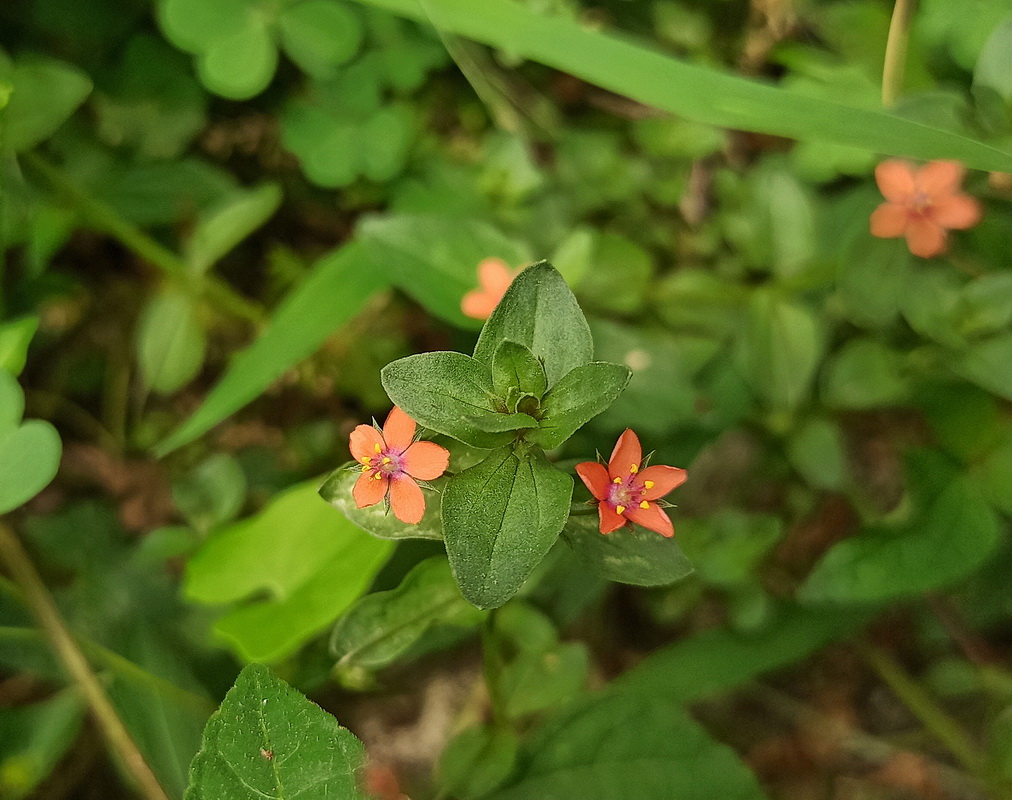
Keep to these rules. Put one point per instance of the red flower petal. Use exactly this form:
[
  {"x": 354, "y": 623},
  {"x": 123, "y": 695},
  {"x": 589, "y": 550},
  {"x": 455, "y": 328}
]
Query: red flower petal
[
  {"x": 925, "y": 238},
  {"x": 425, "y": 461},
  {"x": 398, "y": 430},
  {"x": 595, "y": 477},
  {"x": 478, "y": 304},
  {"x": 406, "y": 500},
  {"x": 363, "y": 442},
  {"x": 939, "y": 178},
  {"x": 495, "y": 276},
  {"x": 889, "y": 220},
  {"x": 957, "y": 211},
  {"x": 626, "y": 455},
  {"x": 664, "y": 480},
  {"x": 610, "y": 520},
  {"x": 653, "y": 518},
  {"x": 895, "y": 180},
  {"x": 368, "y": 491}
]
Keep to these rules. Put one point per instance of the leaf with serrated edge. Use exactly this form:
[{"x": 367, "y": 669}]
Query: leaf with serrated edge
[{"x": 267, "y": 740}]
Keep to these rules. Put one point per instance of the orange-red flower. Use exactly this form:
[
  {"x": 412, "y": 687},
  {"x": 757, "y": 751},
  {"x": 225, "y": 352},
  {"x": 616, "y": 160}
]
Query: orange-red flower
[
  {"x": 626, "y": 492},
  {"x": 392, "y": 462},
  {"x": 922, "y": 204},
  {"x": 494, "y": 278}
]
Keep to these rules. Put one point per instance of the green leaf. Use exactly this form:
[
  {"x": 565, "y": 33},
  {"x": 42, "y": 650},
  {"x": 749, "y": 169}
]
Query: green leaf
[
  {"x": 267, "y": 740},
  {"x": 33, "y": 739},
  {"x": 871, "y": 278},
  {"x": 170, "y": 342},
  {"x": 716, "y": 661},
  {"x": 635, "y": 556},
  {"x": 377, "y": 519},
  {"x": 864, "y": 374},
  {"x": 45, "y": 92},
  {"x": 728, "y": 546},
  {"x": 780, "y": 349},
  {"x": 699, "y": 93},
  {"x": 435, "y": 259},
  {"x": 576, "y": 399},
  {"x": 662, "y": 753},
  {"x": 539, "y": 680},
  {"x": 382, "y": 626},
  {"x": 500, "y": 518},
  {"x": 195, "y": 25},
  {"x": 816, "y": 450},
  {"x": 953, "y": 532},
  {"x": 319, "y": 35},
  {"x": 617, "y": 276},
  {"x": 223, "y": 227},
  {"x": 477, "y": 760},
  {"x": 541, "y": 313},
  {"x": 989, "y": 365},
  {"x": 985, "y": 304},
  {"x": 240, "y": 65},
  {"x": 29, "y": 452},
  {"x": 335, "y": 289},
  {"x": 514, "y": 366},
  {"x": 15, "y": 336},
  {"x": 318, "y": 565},
  {"x": 452, "y": 394},
  {"x": 213, "y": 493},
  {"x": 994, "y": 66}
]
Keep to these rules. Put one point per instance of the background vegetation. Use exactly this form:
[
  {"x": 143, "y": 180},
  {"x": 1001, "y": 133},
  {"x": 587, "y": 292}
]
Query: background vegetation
[{"x": 220, "y": 219}]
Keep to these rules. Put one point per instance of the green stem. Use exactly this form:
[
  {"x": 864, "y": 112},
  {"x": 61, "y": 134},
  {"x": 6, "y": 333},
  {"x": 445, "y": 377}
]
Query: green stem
[
  {"x": 41, "y": 604},
  {"x": 105, "y": 218},
  {"x": 939, "y": 724},
  {"x": 896, "y": 50}
]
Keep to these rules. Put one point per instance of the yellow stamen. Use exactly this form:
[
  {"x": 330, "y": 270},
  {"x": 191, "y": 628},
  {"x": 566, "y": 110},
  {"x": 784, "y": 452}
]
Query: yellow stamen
[
  {"x": 619, "y": 509},
  {"x": 366, "y": 460},
  {"x": 366, "y": 468},
  {"x": 386, "y": 459},
  {"x": 617, "y": 480},
  {"x": 377, "y": 476},
  {"x": 377, "y": 447},
  {"x": 648, "y": 484},
  {"x": 634, "y": 468},
  {"x": 644, "y": 504}
]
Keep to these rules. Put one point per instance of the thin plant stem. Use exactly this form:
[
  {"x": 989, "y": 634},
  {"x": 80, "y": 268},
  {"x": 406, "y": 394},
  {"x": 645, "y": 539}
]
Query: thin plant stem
[
  {"x": 943, "y": 727},
  {"x": 896, "y": 50},
  {"x": 105, "y": 218},
  {"x": 41, "y": 604}
]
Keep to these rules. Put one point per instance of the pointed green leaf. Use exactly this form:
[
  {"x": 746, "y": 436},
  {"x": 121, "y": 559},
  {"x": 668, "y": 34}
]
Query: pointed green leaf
[
  {"x": 452, "y": 394},
  {"x": 170, "y": 343},
  {"x": 952, "y": 533},
  {"x": 267, "y": 740},
  {"x": 661, "y": 753},
  {"x": 44, "y": 93},
  {"x": 477, "y": 760},
  {"x": 336, "y": 287},
  {"x": 541, "y": 313},
  {"x": 515, "y": 366},
  {"x": 500, "y": 518},
  {"x": 699, "y": 93},
  {"x": 576, "y": 399},
  {"x": 629, "y": 555},
  {"x": 381, "y": 626},
  {"x": 989, "y": 365},
  {"x": 231, "y": 221},
  {"x": 267, "y": 553}
]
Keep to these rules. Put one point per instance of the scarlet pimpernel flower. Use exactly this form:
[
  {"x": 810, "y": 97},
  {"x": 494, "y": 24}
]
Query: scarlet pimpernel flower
[
  {"x": 392, "y": 463},
  {"x": 922, "y": 204},
  {"x": 494, "y": 278},
  {"x": 628, "y": 492}
]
